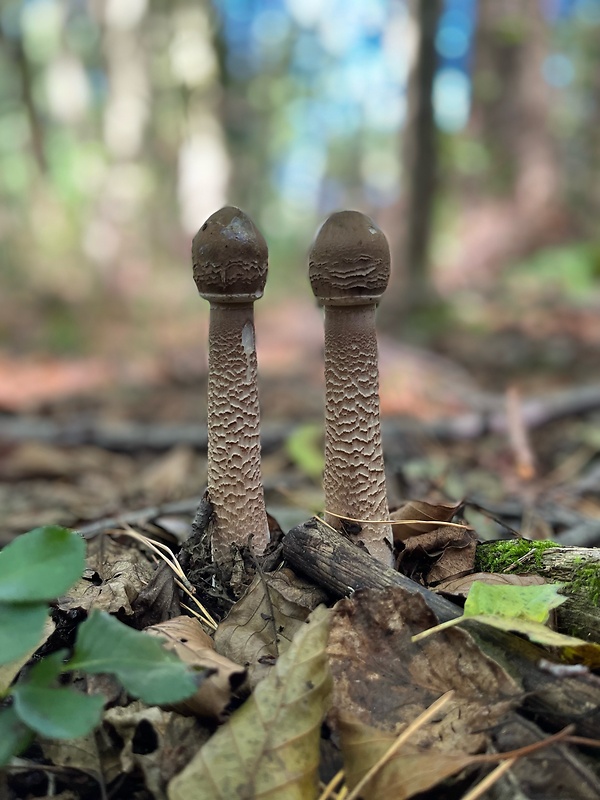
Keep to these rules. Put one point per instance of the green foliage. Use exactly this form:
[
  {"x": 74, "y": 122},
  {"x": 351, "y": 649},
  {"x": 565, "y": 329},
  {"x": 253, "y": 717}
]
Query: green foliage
[
  {"x": 524, "y": 610},
  {"x": 570, "y": 270},
  {"x": 139, "y": 661},
  {"x": 59, "y": 713},
  {"x": 35, "y": 568},
  {"x": 14, "y": 734},
  {"x": 41, "y": 565},
  {"x": 503, "y": 554},
  {"x": 532, "y": 603},
  {"x": 21, "y": 627},
  {"x": 304, "y": 448}
]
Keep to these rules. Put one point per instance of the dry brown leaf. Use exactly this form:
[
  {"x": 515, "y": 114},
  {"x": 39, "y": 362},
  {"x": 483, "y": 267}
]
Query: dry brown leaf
[
  {"x": 82, "y": 754},
  {"x": 114, "y": 576},
  {"x": 383, "y": 679},
  {"x": 419, "y": 510},
  {"x": 269, "y": 748},
  {"x": 411, "y": 770},
  {"x": 36, "y": 459},
  {"x": 460, "y": 586},
  {"x": 259, "y": 627},
  {"x": 438, "y": 554},
  {"x": 185, "y": 636},
  {"x": 156, "y": 742}
]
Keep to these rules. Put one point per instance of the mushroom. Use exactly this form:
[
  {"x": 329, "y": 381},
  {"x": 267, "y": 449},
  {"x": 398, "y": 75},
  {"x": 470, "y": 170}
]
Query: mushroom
[
  {"x": 349, "y": 268},
  {"x": 229, "y": 255}
]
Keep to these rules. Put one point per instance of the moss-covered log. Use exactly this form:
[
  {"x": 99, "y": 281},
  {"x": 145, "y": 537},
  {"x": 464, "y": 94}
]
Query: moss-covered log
[{"x": 578, "y": 568}]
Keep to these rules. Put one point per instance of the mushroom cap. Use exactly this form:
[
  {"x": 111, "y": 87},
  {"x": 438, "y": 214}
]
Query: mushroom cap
[
  {"x": 230, "y": 258},
  {"x": 349, "y": 262}
]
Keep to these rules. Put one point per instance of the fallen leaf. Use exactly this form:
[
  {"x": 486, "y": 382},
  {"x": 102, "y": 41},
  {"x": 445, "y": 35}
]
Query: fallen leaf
[
  {"x": 531, "y": 603},
  {"x": 419, "y": 510},
  {"x": 438, "y": 554},
  {"x": 459, "y": 586},
  {"x": 270, "y": 746},
  {"x": 383, "y": 680},
  {"x": 155, "y": 742},
  {"x": 411, "y": 770},
  {"x": 164, "y": 478},
  {"x": 261, "y": 626},
  {"x": 185, "y": 637},
  {"x": 115, "y": 575}
]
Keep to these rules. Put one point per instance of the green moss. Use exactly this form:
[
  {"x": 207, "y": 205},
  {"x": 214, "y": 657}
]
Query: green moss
[
  {"x": 586, "y": 581},
  {"x": 499, "y": 556}
]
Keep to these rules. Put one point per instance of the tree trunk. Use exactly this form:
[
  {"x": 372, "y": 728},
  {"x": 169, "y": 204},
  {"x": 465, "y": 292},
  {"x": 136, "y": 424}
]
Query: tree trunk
[{"x": 419, "y": 163}]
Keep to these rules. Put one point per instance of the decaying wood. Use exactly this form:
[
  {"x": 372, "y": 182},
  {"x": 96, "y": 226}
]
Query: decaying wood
[
  {"x": 578, "y": 568},
  {"x": 340, "y": 567}
]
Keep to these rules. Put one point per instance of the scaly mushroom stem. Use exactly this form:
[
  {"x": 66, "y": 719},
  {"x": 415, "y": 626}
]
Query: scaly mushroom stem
[
  {"x": 349, "y": 270},
  {"x": 230, "y": 267},
  {"x": 234, "y": 472}
]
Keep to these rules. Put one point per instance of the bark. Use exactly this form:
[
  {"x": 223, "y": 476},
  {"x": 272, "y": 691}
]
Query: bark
[
  {"x": 337, "y": 565},
  {"x": 420, "y": 161},
  {"x": 578, "y": 568}
]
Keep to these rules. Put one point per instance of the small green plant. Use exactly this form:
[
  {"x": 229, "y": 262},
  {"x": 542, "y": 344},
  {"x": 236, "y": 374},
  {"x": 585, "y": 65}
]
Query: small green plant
[{"x": 34, "y": 569}]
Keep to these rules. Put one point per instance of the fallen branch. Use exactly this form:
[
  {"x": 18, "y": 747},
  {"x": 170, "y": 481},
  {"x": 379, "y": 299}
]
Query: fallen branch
[{"x": 336, "y": 564}]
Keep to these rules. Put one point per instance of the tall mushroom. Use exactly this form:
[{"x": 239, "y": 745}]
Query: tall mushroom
[
  {"x": 229, "y": 255},
  {"x": 349, "y": 268}
]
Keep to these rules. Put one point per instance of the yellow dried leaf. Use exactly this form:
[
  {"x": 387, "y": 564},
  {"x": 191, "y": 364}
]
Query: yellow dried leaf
[{"x": 270, "y": 746}]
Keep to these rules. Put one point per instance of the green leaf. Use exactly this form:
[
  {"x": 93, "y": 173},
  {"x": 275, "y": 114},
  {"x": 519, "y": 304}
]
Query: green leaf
[
  {"x": 21, "y": 628},
  {"x": 531, "y": 603},
  {"x": 47, "y": 669},
  {"x": 14, "y": 735},
  {"x": 41, "y": 564},
  {"x": 57, "y": 713},
  {"x": 269, "y": 748},
  {"x": 138, "y": 660},
  {"x": 305, "y": 448}
]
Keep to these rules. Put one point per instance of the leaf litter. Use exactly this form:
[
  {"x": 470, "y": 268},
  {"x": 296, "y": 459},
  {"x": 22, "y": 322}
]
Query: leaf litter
[{"x": 146, "y": 745}]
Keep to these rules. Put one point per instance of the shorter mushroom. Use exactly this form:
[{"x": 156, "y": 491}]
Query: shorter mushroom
[
  {"x": 349, "y": 268},
  {"x": 230, "y": 269}
]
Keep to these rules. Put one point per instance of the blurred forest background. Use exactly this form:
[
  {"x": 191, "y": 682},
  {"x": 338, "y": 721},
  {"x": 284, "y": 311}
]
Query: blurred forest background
[{"x": 470, "y": 131}]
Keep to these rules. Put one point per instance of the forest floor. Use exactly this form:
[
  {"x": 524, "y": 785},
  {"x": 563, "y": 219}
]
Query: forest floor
[{"x": 505, "y": 416}]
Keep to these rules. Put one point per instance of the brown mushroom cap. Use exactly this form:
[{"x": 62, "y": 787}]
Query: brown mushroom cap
[
  {"x": 230, "y": 256},
  {"x": 349, "y": 263}
]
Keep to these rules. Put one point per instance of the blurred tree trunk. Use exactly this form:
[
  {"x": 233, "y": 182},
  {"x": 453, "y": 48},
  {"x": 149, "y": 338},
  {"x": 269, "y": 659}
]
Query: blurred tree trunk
[
  {"x": 420, "y": 159},
  {"x": 512, "y": 101},
  {"x": 517, "y": 204},
  {"x": 410, "y": 288}
]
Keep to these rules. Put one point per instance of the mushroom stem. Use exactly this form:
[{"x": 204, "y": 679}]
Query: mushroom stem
[
  {"x": 235, "y": 485},
  {"x": 349, "y": 269},
  {"x": 230, "y": 269}
]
